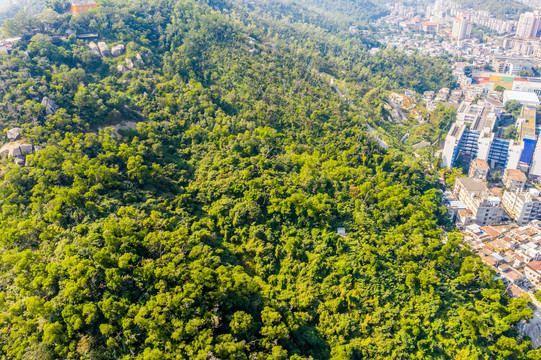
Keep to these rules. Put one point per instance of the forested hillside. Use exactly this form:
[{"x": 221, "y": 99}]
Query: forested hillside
[
  {"x": 209, "y": 230},
  {"x": 506, "y": 10},
  {"x": 29, "y": 6}
]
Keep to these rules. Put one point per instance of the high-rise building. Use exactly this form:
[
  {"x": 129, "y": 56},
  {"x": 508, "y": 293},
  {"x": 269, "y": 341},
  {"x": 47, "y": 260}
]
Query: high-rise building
[
  {"x": 529, "y": 24},
  {"x": 461, "y": 28}
]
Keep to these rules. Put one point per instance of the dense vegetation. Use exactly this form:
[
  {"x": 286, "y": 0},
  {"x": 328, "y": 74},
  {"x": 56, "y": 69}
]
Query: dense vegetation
[
  {"x": 506, "y": 10},
  {"x": 210, "y": 230},
  {"x": 28, "y": 6}
]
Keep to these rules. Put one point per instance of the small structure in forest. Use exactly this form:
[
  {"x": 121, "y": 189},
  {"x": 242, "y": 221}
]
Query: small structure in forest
[{"x": 79, "y": 6}]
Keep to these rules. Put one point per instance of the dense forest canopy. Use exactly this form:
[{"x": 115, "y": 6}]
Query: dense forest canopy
[
  {"x": 506, "y": 10},
  {"x": 208, "y": 230},
  {"x": 29, "y": 6}
]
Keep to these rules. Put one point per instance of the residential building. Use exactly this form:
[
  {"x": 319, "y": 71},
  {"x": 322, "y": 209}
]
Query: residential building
[
  {"x": 461, "y": 28},
  {"x": 485, "y": 208},
  {"x": 479, "y": 169},
  {"x": 529, "y": 24},
  {"x": 499, "y": 66},
  {"x": 532, "y": 270},
  {"x": 468, "y": 112},
  {"x": 481, "y": 144},
  {"x": 522, "y": 207},
  {"x": 430, "y": 26},
  {"x": 514, "y": 180}
]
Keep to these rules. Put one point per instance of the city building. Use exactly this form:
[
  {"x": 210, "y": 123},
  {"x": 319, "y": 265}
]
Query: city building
[
  {"x": 529, "y": 24},
  {"x": 516, "y": 66},
  {"x": 522, "y": 207},
  {"x": 479, "y": 169},
  {"x": 461, "y": 28},
  {"x": 428, "y": 26},
  {"x": 532, "y": 271},
  {"x": 485, "y": 208},
  {"x": 468, "y": 112},
  {"x": 78, "y": 6},
  {"x": 535, "y": 166},
  {"x": 528, "y": 86},
  {"x": 525, "y": 98},
  {"x": 514, "y": 180},
  {"x": 472, "y": 137}
]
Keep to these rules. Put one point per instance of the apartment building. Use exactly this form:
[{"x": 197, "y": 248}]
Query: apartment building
[
  {"x": 479, "y": 169},
  {"x": 514, "y": 180},
  {"x": 522, "y": 207},
  {"x": 529, "y": 24},
  {"x": 485, "y": 208},
  {"x": 483, "y": 145},
  {"x": 468, "y": 112},
  {"x": 461, "y": 28}
]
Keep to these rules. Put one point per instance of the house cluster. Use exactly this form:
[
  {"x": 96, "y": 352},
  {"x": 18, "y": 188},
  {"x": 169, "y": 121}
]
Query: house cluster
[
  {"x": 513, "y": 251},
  {"x": 432, "y": 98}
]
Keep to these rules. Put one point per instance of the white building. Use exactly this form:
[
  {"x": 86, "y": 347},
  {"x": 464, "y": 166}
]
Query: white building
[
  {"x": 532, "y": 270},
  {"x": 516, "y": 66},
  {"x": 461, "y": 28},
  {"x": 514, "y": 180},
  {"x": 468, "y": 112},
  {"x": 527, "y": 86},
  {"x": 475, "y": 195},
  {"x": 525, "y": 98},
  {"x": 479, "y": 169},
  {"x": 522, "y": 207},
  {"x": 529, "y": 24},
  {"x": 535, "y": 167}
]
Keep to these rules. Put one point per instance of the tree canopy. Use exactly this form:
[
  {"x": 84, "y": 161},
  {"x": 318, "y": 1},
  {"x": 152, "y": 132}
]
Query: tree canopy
[{"x": 208, "y": 230}]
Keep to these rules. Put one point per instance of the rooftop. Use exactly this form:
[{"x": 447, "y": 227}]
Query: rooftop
[
  {"x": 490, "y": 231},
  {"x": 481, "y": 164},
  {"x": 471, "y": 184},
  {"x": 513, "y": 275},
  {"x": 82, "y": 2},
  {"x": 536, "y": 265},
  {"x": 515, "y": 291},
  {"x": 521, "y": 96},
  {"x": 516, "y": 175}
]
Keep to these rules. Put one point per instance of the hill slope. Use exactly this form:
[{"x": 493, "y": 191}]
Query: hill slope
[{"x": 210, "y": 230}]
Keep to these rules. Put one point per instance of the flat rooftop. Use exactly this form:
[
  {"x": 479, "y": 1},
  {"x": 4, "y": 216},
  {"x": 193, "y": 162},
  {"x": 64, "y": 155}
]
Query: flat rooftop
[
  {"x": 516, "y": 174},
  {"x": 521, "y": 96},
  {"x": 472, "y": 185},
  {"x": 480, "y": 164},
  {"x": 527, "y": 127}
]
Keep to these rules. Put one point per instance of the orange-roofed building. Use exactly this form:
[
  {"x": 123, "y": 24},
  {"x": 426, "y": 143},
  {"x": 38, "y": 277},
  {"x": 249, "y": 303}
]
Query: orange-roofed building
[
  {"x": 532, "y": 270},
  {"x": 79, "y": 6}
]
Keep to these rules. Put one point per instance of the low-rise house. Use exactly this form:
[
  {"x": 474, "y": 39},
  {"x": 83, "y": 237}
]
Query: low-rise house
[
  {"x": 514, "y": 276},
  {"x": 514, "y": 179},
  {"x": 532, "y": 270},
  {"x": 479, "y": 169}
]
